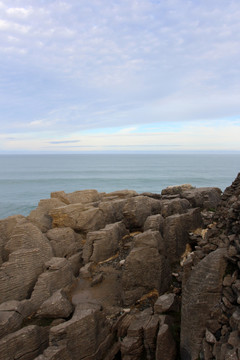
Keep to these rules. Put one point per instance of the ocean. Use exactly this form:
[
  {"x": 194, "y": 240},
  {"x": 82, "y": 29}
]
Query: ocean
[{"x": 26, "y": 179}]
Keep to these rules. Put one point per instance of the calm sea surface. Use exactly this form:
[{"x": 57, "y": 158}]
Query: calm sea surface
[{"x": 25, "y": 179}]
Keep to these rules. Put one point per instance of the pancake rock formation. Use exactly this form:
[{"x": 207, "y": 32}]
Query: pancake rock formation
[{"x": 122, "y": 275}]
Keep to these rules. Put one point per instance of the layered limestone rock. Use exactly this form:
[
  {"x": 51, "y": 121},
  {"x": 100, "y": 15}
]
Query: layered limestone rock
[
  {"x": 6, "y": 228},
  {"x": 138, "y": 208},
  {"x": 146, "y": 268},
  {"x": 28, "y": 236},
  {"x": 84, "y": 334},
  {"x": 25, "y": 344},
  {"x": 176, "y": 232},
  {"x": 40, "y": 216},
  {"x": 58, "y": 274},
  {"x": 201, "y": 295},
  {"x": 19, "y": 274},
  {"x": 211, "y": 286},
  {"x": 78, "y": 217},
  {"x": 101, "y": 245},
  {"x": 125, "y": 250},
  {"x": 83, "y": 196},
  {"x": 65, "y": 242}
]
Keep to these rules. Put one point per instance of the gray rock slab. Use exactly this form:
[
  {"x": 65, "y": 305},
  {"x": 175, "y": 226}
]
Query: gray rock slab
[
  {"x": 26, "y": 343},
  {"x": 57, "y": 306},
  {"x": 200, "y": 295},
  {"x": 18, "y": 275}
]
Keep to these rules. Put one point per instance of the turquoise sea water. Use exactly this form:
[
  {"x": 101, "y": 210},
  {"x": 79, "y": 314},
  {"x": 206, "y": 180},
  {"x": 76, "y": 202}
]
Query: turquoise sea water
[{"x": 25, "y": 179}]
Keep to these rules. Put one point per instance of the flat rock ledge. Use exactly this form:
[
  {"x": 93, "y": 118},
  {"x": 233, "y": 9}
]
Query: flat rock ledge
[{"x": 122, "y": 275}]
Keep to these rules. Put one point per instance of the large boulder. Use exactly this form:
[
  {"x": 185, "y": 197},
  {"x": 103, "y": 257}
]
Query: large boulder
[
  {"x": 84, "y": 334},
  {"x": 174, "y": 206},
  {"x": 123, "y": 194},
  {"x": 112, "y": 210},
  {"x": 206, "y": 197},
  {"x": 83, "y": 196},
  {"x": 58, "y": 274},
  {"x": 25, "y": 344},
  {"x": 145, "y": 268},
  {"x": 176, "y": 189},
  {"x": 6, "y": 228},
  {"x": 19, "y": 274},
  {"x": 79, "y": 217},
  {"x": 11, "y": 317},
  {"x": 28, "y": 236},
  {"x": 154, "y": 223},
  {"x": 55, "y": 353},
  {"x": 201, "y": 295},
  {"x": 57, "y": 306},
  {"x": 137, "y": 209},
  {"x": 176, "y": 229},
  {"x": 40, "y": 216},
  {"x": 65, "y": 242},
  {"x": 102, "y": 244},
  {"x": 166, "y": 346}
]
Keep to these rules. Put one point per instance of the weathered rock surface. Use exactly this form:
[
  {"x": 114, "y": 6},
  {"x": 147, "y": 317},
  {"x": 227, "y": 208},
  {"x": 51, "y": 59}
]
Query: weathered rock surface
[
  {"x": 201, "y": 295},
  {"x": 64, "y": 241},
  {"x": 137, "y": 209},
  {"x": 25, "y": 344},
  {"x": 58, "y": 274},
  {"x": 83, "y": 334},
  {"x": 174, "y": 206},
  {"x": 19, "y": 274},
  {"x": 28, "y": 236},
  {"x": 176, "y": 189},
  {"x": 55, "y": 353},
  {"x": 78, "y": 217},
  {"x": 83, "y": 196},
  {"x": 6, "y": 228},
  {"x": 11, "y": 317},
  {"x": 166, "y": 347},
  {"x": 176, "y": 229},
  {"x": 165, "y": 303},
  {"x": 154, "y": 223},
  {"x": 207, "y": 198},
  {"x": 112, "y": 210},
  {"x": 57, "y": 306},
  {"x": 101, "y": 245},
  {"x": 40, "y": 216},
  {"x": 121, "y": 194},
  {"x": 127, "y": 249},
  {"x": 145, "y": 268}
]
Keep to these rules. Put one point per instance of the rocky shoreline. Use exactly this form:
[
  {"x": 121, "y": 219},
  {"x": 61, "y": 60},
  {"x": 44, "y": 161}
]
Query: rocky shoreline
[{"x": 130, "y": 276}]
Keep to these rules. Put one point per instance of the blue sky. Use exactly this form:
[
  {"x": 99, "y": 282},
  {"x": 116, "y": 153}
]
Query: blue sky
[{"x": 130, "y": 75}]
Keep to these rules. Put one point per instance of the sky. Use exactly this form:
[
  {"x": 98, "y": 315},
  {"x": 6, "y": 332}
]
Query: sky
[{"x": 119, "y": 76}]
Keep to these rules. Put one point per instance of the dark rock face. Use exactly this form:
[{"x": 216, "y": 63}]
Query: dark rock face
[
  {"x": 102, "y": 244},
  {"x": 176, "y": 232},
  {"x": 58, "y": 274},
  {"x": 11, "y": 317},
  {"x": 137, "y": 209},
  {"x": 25, "y": 344},
  {"x": 207, "y": 198},
  {"x": 57, "y": 306},
  {"x": 125, "y": 250},
  {"x": 17, "y": 284},
  {"x": 201, "y": 295},
  {"x": 84, "y": 334},
  {"x": 211, "y": 334}
]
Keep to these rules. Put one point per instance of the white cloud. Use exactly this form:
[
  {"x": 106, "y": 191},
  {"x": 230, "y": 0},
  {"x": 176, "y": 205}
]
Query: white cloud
[
  {"x": 149, "y": 61},
  {"x": 19, "y": 12}
]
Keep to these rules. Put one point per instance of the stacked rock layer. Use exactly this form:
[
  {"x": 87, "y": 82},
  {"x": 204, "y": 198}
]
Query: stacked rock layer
[{"x": 122, "y": 275}]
